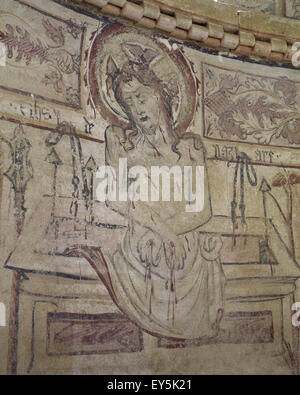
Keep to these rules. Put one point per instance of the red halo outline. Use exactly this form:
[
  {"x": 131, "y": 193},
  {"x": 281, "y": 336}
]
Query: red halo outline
[{"x": 175, "y": 55}]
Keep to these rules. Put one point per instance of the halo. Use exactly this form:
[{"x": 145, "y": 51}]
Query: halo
[{"x": 170, "y": 66}]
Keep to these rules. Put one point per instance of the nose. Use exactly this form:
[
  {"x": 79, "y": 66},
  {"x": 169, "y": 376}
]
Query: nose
[{"x": 139, "y": 107}]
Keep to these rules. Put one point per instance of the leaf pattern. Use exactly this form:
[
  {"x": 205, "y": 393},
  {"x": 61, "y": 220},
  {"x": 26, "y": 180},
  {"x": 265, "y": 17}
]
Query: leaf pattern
[
  {"x": 22, "y": 47},
  {"x": 19, "y": 41},
  {"x": 54, "y": 33},
  {"x": 242, "y": 107}
]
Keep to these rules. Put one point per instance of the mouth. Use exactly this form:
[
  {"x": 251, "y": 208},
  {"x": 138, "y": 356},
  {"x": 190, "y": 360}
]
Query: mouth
[{"x": 144, "y": 119}]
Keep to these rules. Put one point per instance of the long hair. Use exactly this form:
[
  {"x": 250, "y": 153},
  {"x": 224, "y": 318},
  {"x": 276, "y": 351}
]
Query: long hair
[{"x": 142, "y": 73}]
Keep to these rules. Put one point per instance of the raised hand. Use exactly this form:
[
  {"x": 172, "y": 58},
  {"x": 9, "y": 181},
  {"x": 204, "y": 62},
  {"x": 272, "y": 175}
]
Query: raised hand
[
  {"x": 175, "y": 253},
  {"x": 150, "y": 248}
]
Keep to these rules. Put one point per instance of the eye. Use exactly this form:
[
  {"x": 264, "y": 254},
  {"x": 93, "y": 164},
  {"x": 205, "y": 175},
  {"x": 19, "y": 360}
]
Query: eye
[{"x": 129, "y": 101}]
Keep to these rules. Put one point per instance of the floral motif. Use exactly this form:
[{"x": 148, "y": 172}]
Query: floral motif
[
  {"x": 21, "y": 46},
  {"x": 54, "y": 33},
  {"x": 242, "y": 107},
  {"x": 19, "y": 41}
]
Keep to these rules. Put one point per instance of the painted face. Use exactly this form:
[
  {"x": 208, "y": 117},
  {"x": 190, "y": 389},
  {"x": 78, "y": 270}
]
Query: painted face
[{"x": 143, "y": 104}]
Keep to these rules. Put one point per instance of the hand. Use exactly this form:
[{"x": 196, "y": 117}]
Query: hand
[
  {"x": 210, "y": 246},
  {"x": 153, "y": 248},
  {"x": 175, "y": 253},
  {"x": 150, "y": 248}
]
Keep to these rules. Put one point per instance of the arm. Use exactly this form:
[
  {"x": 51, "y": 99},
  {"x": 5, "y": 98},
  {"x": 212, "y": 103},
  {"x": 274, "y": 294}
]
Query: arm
[
  {"x": 184, "y": 221},
  {"x": 139, "y": 212},
  {"x": 112, "y": 155},
  {"x": 164, "y": 231}
]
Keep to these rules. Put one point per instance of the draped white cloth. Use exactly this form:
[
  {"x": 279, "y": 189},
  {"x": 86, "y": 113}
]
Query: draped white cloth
[
  {"x": 186, "y": 303},
  {"x": 199, "y": 292}
]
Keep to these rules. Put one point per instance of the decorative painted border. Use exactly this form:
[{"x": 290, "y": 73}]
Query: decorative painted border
[
  {"x": 42, "y": 97},
  {"x": 237, "y": 140},
  {"x": 237, "y": 38},
  {"x": 88, "y": 334}
]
